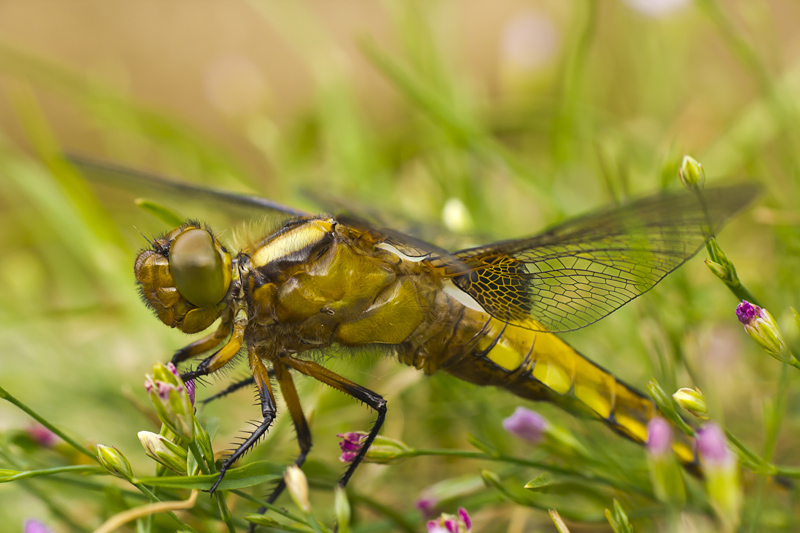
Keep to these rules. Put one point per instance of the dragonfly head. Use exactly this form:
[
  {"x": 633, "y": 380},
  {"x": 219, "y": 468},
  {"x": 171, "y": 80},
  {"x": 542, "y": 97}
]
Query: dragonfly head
[{"x": 184, "y": 277}]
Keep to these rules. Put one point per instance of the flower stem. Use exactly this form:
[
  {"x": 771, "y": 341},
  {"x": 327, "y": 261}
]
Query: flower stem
[
  {"x": 4, "y": 394},
  {"x": 72, "y": 469},
  {"x": 533, "y": 464},
  {"x": 225, "y": 513},
  {"x": 274, "y": 508}
]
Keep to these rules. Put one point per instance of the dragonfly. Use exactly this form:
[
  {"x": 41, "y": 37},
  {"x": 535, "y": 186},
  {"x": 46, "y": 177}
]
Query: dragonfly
[{"x": 488, "y": 315}]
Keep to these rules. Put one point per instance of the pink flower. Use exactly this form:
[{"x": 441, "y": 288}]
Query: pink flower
[
  {"x": 447, "y": 523},
  {"x": 350, "y": 445},
  {"x": 747, "y": 312},
  {"x": 425, "y": 505},
  {"x": 526, "y": 424},
  {"x": 712, "y": 447},
  {"x": 41, "y": 435},
  {"x": 659, "y": 437},
  {"x": 34, "y": 526}
]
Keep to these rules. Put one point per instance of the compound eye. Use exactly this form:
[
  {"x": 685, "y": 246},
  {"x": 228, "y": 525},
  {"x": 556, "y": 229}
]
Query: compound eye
[{"x": 200, "y": 267}]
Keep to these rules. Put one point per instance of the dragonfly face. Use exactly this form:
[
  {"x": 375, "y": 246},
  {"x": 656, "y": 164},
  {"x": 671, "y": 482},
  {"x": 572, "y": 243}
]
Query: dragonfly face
[{"x": 185, "y": 277}]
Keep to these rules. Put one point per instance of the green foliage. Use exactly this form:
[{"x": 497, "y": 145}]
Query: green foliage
[{"x": 607, "y": 117}]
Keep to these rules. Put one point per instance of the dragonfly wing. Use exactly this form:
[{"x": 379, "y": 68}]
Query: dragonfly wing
[
  {"x": 425, "y": 231},
  {"x": 580, "y": 271},
  {"x": 219, "y": 208}
]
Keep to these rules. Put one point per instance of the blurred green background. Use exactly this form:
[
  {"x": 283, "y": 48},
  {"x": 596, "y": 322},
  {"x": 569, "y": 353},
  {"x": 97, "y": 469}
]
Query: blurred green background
[{"x": 487, "y": 118}]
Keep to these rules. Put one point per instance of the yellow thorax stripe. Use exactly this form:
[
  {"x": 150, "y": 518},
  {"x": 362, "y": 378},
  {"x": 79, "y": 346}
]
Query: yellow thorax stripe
[{"x": 291, "y": 241}]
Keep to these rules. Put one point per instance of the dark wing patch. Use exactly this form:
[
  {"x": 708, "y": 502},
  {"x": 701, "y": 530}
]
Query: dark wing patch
[
  {"x": 499, "y": 287},
  {"x": 586, "y": 268},
  {"x": 220, "y": 208}
]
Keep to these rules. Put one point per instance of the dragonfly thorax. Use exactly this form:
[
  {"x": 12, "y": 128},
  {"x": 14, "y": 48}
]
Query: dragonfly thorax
[{"x": 330, "y": 283}]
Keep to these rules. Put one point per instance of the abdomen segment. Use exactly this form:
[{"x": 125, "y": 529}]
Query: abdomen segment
[{"x": 540, "y": 366}]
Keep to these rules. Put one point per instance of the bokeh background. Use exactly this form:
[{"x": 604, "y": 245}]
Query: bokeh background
[{"x": 489, "y": 120}]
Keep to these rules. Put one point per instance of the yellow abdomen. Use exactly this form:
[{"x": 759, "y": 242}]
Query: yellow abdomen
[{"x": 540, "y": 366}]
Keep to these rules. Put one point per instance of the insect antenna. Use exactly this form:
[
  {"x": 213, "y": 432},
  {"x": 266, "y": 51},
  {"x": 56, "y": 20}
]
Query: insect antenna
[{"x": 143, "y": 236}]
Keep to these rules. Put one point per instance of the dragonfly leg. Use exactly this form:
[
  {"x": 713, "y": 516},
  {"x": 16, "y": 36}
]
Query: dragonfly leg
[
  {"x": 372, "y": 399},
  {"x": 268, "y": 411},
  {"x": 233, "y": 387},
  {"x": 224, "y": 355},
  {"x": 207, "y": 343},
  {"x": 292, "y": 400}
]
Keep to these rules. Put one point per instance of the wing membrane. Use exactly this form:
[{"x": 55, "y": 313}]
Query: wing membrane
[
  {"x": 219, "y": 208},
  {"x": 578, "y": 272}
]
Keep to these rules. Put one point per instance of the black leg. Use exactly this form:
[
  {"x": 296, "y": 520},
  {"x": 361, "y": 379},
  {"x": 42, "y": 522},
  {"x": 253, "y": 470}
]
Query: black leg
[
  {"x": 300, "y": 426},
  {"x": 268, "y": 411},
  {"x": 233, "y": 387},
  {"x": 372, "y": 399},
  {"x": 379, "y": 404}
]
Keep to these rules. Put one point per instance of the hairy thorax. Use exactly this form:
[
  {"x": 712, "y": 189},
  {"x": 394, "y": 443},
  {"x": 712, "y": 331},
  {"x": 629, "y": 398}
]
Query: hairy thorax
[{"x": 344, "y": 290}]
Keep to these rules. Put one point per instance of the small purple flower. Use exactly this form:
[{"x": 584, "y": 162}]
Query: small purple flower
[
  {"x": 32, "y": 525},
  {"x": 172, "y": 369},
  {"x": 425, "y": 505},
  {"x": 722, "y": 476},
  {"x": 712, "y": 446},
  {"x": 41, "y": 435},
  {"x": 447, "y": 523},
  {"x": 464, "y": 516},
  {"x": 659, "y": 437},
  {"x": 171, "y": 399},
  {"x": 434, "y": 527},
  {"x": 526, "y": 424},
  {"x": 762, "y": 328},
  {"x": 350, "y": 445},
  {"x": 351, "y": 442},
  {"x": 747, "y": 312},
  {"x": 190, "y": 390}
]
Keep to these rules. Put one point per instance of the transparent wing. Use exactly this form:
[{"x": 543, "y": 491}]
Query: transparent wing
[
  {"x": 383, "y": 217},
  {"x": 580, "y": 271},
  {"x": 220, "y": 209}
]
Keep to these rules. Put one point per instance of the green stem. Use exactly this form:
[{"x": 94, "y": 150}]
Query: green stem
[
  {"x": 385, "y": 510},
  {"x": 283, "y": 512},
  {"x": 268, "y": 506},
  {"x": 774, "y": 422},
  {"x": 788, "y": 471},
  {"x": 754, "y": 461},
  {"x": 198, "y": 457},
  {"x": 52, "y": 506},
  {"x": 589, "y": 476},
  {"x": 776, "y": 414},
  {"x": 85, "y": 484},
  {"x": 740, "y": 46},
  {"x": 731, "y": 278},
  {"x": 586, "y": 20},
  {"x": 4, "y": 394},
  {"x": 312, "y": 522},
  {"x": 781, "y": 106},
  {"x": 225, "y": 513},
  {"x": 72, "y": 469}
]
